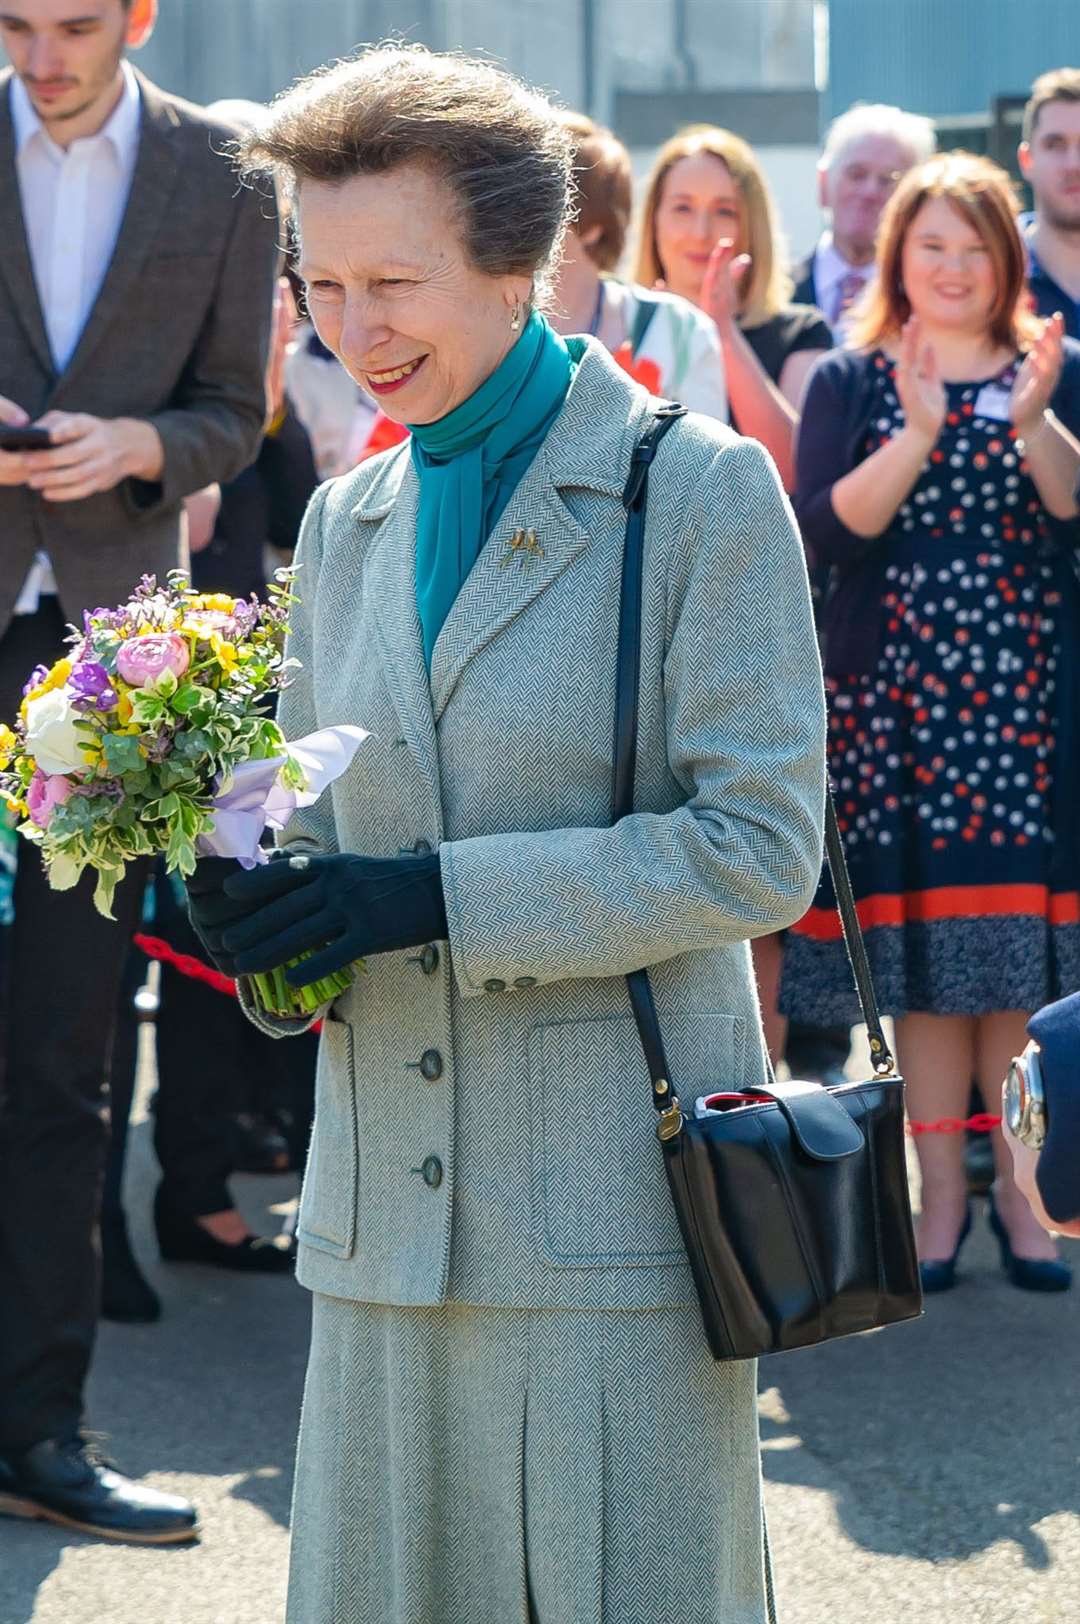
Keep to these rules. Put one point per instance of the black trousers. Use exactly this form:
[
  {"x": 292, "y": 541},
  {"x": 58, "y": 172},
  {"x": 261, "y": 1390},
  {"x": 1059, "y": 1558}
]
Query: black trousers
[
  {"x": 211, "y": 1062},
  {"x": 65, "y": 966}
]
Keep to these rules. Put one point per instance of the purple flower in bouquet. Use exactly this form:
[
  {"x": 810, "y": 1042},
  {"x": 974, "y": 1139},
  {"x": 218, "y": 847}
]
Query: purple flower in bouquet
[
  {"x": 91, "y": 687},
  {"x": 141, "y": 660},
  {"x": 95, "y": 618},
  {"x": 45, "y": 792},
  {"x": 35, "y": 679}
]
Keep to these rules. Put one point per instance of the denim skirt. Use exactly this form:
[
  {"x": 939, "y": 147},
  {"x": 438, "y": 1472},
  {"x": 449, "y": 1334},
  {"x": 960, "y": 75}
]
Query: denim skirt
[{"x": 464, "y": 1465}]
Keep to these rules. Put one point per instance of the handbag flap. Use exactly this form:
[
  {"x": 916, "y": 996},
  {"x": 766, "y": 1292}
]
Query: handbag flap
[{"x": 822, "y": 1128}]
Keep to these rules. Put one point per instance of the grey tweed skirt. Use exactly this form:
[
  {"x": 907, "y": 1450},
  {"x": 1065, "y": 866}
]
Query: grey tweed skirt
[{"x": 463, "y": 1465}]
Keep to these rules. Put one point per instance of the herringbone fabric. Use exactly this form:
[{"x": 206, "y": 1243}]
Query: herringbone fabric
[
  {"x": 480, "y": 1177},
  {"x": 514, "y": 1466}
]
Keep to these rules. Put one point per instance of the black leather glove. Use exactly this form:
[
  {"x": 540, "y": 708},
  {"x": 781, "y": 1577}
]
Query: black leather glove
[{"x": 347, "y": 905}]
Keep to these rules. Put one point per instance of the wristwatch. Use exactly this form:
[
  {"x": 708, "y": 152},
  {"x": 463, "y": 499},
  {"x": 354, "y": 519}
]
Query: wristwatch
[{"x": 1024, "y": 1099}]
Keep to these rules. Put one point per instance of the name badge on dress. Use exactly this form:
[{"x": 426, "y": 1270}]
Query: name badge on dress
[{"x": 992, "y": 401}]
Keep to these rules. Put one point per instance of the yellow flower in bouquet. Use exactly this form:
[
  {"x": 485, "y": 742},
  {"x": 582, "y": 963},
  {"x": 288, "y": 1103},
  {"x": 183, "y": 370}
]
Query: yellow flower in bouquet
[
  {"x": 223, "y": 652},
  {"x": 50, "y": 680}
]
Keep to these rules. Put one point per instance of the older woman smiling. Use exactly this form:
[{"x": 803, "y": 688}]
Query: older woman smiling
[{"x": 511, "y": 1412}]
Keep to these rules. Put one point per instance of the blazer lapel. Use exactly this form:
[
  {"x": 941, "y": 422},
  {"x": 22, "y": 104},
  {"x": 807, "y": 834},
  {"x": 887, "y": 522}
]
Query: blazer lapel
[
  {"x": 390, "y": 580},
  {"x": 507, "y": 576},
  {"x": 15, "y": 263},
  {"x": 151, "y": 189}
]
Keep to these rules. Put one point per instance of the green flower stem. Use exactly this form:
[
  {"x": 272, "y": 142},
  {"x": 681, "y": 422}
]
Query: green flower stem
[
  {"x": 275, "y": 995},
  {"x": 264, "y": 991}
]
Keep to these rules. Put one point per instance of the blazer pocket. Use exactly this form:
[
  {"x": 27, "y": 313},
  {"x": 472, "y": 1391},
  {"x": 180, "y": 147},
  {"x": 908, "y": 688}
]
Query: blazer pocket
[
  {"x": 600, "y": 1193},
  {"x": 327, "y": 1217}
]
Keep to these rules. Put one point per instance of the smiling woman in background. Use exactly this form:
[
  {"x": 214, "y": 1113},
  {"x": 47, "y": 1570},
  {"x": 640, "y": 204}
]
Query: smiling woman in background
[
  {"x": 937, "y": 482},
  {"x": 709, "y": 233},
  {"x": 665, "y": 342}
]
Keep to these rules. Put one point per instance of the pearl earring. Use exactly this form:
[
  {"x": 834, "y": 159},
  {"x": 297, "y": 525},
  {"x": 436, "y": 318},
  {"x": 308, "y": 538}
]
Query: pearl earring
[{"x": 515, "y": 319}]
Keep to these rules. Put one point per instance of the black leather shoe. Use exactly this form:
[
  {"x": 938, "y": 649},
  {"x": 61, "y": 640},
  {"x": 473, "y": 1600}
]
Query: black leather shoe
[
  {"x": 182, "y": 1240},
  {"x": 1029, "y": 1273},
  {"x": 63, "y": 1481},
  {"x": 125, "y": 1295},
  {"x": 939, "y": 1274}
]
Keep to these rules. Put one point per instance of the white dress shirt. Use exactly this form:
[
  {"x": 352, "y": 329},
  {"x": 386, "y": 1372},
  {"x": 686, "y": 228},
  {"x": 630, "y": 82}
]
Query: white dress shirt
[{"x": 73, "y": 201}]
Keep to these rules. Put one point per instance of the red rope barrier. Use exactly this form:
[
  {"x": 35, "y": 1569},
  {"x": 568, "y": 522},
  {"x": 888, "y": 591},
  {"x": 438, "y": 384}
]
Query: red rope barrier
[
  {"x": 155, "y": 948},
  {"x": 981, "y": 1122}
]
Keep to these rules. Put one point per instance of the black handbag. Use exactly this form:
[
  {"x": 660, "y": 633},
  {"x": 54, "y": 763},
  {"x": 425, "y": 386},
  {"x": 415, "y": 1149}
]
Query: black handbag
[{"x": 792, "y": 1198}]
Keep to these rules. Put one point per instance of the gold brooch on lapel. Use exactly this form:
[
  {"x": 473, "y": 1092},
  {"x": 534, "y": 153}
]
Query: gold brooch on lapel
[{"x": 523, "y": 544}]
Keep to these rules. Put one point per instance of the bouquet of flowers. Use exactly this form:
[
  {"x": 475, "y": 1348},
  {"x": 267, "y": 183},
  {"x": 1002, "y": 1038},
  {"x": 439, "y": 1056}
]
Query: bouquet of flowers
[{"x": 154, "y": 734}]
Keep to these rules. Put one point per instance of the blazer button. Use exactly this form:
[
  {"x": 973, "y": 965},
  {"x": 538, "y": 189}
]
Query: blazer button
[
  {"x": 432, "y": 1171},
  {"x": 429, "y": 959},
  {"x": 431, "y": 1065},
  {"x": 422, "y": 849},
  {"x": 525, "y": 982},
  {"x": 494, "y": 985}
]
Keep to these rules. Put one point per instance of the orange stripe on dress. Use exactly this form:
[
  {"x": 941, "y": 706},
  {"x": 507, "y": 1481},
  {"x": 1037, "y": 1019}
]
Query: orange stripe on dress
[{"x": 947, "y": 902}]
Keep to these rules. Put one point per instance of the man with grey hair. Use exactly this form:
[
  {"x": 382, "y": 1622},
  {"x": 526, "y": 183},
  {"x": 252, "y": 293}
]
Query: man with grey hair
[{"x": 866, "y": 151}]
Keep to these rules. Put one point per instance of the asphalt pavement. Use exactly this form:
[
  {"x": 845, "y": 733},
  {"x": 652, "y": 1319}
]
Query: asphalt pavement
[{"x": 927, "y": 1474}]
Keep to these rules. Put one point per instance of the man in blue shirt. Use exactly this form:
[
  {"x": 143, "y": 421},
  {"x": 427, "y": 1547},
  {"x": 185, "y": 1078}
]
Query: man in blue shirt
[{"x": 1050, "y": 163}]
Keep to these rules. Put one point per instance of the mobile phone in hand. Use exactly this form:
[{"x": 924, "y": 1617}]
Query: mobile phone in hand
[{"x": 27, "y": 438}]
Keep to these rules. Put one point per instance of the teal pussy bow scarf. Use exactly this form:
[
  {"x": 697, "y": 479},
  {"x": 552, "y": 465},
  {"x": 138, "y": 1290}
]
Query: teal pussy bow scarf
[{"x": 470, "y": 462}]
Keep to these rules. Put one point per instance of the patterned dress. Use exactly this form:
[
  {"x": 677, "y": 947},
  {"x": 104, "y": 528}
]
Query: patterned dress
[{"x": 950, "y": 788}]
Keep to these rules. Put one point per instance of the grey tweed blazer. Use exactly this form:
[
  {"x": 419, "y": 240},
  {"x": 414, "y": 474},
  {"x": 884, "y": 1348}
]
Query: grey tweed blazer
[
  {"x": 483, "y": 1128},
  {"x": 178, "y": 335}
]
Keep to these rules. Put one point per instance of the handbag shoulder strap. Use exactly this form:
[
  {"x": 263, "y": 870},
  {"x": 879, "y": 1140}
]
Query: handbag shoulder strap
[{"x": 627, "y": 682}]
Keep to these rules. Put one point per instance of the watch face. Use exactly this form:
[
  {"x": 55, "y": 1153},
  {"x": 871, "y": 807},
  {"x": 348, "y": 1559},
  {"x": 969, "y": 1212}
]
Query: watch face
[
  {"x": 1015, "y": 1091},
  {"x": 1024, "y": 1103}
]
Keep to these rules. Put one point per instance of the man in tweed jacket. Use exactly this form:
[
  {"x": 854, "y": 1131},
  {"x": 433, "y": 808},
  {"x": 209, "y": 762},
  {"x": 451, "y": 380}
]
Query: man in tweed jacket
[{"x": 137, "y": 281}]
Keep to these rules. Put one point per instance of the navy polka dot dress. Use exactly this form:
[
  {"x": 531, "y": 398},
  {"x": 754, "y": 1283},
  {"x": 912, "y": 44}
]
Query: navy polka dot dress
[{"x": 943, "y": 761}]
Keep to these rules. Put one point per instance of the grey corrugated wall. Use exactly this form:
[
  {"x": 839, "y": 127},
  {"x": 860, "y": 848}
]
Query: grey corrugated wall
[
  {"x": 943, "y": 57},
  {"x": 205, "y": 49}
]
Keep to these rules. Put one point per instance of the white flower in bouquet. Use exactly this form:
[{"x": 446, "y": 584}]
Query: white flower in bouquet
[{"x": 52, "y": 735}]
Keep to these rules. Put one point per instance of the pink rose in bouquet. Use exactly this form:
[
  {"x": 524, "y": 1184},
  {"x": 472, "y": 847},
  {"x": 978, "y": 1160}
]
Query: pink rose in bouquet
[
  {"x": 45, "y": 792},
  {"x": 142, "y": 660}
]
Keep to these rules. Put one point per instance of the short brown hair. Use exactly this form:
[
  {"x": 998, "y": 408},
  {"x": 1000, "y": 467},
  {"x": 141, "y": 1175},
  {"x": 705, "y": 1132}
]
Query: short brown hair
[
  {"x": 499, "y": 144},
  {"x": 1060, "y": 84},
  {"x": 766, "y": 288},
  {"x": 604, "y": 188},
  {"x": 984, "y": 195}
]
